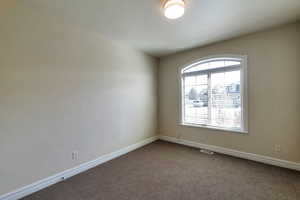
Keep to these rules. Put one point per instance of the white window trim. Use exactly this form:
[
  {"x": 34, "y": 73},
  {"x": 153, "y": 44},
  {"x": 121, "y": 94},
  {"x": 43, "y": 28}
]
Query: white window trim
[{"x": 244, "y": 92}]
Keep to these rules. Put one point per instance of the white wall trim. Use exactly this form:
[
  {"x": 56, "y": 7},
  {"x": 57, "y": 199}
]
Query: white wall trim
[
  {"x": 235, "y": 153},
  {"x": 34, "y": 187}
]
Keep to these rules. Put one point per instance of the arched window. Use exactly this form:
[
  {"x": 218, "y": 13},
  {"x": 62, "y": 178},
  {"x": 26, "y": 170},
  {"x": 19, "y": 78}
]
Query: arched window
[{"x": 214, "y": 93}]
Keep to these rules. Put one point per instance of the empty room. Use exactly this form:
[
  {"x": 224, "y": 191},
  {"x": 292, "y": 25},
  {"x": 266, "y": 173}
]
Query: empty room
[{"x": 150, "y": 100}]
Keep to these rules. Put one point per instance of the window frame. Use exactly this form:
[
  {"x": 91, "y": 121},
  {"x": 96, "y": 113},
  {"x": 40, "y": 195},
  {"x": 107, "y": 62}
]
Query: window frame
[{"x": 243, "y": 91}]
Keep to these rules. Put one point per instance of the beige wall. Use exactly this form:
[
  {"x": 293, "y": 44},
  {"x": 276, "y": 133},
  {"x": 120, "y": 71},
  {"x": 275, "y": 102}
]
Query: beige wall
[
  {"x": 63, "y": 88},
  {"x": 274, "y": 93}
]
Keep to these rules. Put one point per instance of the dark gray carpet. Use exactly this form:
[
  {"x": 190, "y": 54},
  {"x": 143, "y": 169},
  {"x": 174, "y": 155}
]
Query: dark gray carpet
[{"x": 165, "y": 171}]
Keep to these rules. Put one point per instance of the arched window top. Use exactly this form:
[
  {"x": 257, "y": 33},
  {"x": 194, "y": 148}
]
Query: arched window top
[{"x": 212, "y": 64}]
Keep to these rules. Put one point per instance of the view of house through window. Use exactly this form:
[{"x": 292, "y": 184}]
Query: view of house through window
[{"x": 212, "y": 93}]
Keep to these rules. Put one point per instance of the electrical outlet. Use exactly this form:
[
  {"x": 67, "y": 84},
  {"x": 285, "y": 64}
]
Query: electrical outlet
[
  {"x": 277, "y": 148},
  {"x": 75, "y": 155}
]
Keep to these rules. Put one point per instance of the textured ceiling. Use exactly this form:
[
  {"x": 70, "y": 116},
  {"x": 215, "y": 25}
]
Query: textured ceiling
[{"x": 141, "y": 24}]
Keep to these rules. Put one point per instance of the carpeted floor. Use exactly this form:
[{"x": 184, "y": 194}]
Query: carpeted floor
[{"x": 165, "y": 171}]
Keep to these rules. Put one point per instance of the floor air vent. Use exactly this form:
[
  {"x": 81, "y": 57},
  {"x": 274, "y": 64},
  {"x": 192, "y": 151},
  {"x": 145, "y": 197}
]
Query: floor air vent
[{"x": 207, "y": 151}]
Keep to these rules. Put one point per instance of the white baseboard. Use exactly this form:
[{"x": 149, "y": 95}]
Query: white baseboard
[
  {"x": 239, "y": 154},
  {"x": 34, "y": 187}
]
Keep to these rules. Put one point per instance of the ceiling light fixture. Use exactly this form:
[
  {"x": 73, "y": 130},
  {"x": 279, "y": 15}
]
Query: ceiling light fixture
[{"x": 174, "y": 8}]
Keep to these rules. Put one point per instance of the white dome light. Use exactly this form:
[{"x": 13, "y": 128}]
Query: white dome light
[{"x": 174, "y": 9}]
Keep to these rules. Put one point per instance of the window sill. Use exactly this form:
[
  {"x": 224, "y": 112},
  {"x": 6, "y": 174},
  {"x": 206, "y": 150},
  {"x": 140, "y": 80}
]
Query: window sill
[{"x": 214, "y": 128}]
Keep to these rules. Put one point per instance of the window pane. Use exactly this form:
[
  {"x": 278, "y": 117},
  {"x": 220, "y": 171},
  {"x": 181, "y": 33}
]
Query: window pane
[
  {"x": 199, "y": 67},
  {"x": 217, "y": 64},
  {"x": 196, "y": 99},
  {"x": 190, "y": 81},
  {"x": 225, "y": 99},
  {"x": 231, "y": 63}
]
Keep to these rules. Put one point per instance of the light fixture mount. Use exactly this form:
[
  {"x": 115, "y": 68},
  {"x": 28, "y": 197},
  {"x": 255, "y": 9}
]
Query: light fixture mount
[{"x": 174, "y": 9}]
